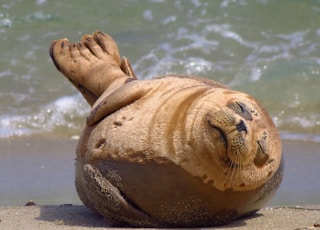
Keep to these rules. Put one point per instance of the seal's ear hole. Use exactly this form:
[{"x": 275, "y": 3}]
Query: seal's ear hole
[
  {"x": 241, "y": 109},
  {"x": 219, "y": 136}
]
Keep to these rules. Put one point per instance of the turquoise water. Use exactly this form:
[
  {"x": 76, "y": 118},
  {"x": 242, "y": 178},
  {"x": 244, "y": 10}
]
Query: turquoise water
[{"x": 269, "y": 49}]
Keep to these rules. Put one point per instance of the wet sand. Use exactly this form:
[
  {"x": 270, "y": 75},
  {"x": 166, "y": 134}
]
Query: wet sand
[{"x": 42, "y": 169}]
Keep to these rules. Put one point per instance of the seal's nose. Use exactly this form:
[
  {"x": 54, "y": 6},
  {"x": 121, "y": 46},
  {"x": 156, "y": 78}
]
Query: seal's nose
[{"x": 241, "y": 127}]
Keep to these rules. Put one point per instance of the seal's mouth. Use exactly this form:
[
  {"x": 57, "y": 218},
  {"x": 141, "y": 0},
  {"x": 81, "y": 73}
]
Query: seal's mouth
[
  {"x": 240, "y": 127},
  {"x": 222, "y": 135},
  {"x": 224, "y": 138},
  {"x": 226, "y": 159}
]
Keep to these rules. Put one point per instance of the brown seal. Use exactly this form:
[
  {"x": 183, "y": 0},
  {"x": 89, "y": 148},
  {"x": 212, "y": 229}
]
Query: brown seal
[{"x": 174, "y": 151}]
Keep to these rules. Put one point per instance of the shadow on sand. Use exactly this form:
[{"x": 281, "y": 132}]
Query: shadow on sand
[
  {"x": 72, "y": 215},
  {"x": 79, "y": 215}
]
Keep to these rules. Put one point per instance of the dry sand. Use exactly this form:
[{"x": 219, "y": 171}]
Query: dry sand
[
  {"x": 79, "y": 217},
  {"x": 42, "y": 169}
]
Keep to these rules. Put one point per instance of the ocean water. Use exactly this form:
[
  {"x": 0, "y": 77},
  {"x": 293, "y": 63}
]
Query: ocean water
[{"x": 267, "y": 48}]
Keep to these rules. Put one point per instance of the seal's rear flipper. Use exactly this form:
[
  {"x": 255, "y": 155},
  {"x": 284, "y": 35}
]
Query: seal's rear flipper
[{"x": 91, "y": 65}]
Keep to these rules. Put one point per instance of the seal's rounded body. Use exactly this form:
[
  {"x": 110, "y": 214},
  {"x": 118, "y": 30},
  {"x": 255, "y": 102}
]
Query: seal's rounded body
[{"x": 175, "y": 151}]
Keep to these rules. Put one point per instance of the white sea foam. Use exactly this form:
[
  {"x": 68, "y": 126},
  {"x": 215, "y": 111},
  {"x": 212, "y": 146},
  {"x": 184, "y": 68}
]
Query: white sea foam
[{"x": 61, "y": 113}]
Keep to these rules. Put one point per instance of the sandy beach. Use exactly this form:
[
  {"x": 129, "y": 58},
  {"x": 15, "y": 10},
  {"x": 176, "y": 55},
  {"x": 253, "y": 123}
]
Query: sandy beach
[
  {"x": 79, "y": 217},
  {"x": 41, "y": 169}
]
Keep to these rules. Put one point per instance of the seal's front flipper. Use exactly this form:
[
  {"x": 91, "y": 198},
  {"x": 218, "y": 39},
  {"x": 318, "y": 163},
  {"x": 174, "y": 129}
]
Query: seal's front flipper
[
  {"x": 123, "y": 96},
  {"x": 110, "y": 201}
]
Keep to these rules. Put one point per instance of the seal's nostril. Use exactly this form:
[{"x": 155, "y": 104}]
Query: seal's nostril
[{"x": 241, "y": 127}]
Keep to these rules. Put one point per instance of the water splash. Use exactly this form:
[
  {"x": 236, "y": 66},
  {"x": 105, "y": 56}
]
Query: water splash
[{"x": 65, "y": 114}]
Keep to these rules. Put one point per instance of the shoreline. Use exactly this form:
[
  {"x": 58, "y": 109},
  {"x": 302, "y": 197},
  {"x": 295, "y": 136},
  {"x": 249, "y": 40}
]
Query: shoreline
[{"x": 41, "y": 168}]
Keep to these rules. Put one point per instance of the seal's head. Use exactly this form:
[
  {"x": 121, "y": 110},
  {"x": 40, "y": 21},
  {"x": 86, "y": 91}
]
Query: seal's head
[{"x": 241, "y": 139}]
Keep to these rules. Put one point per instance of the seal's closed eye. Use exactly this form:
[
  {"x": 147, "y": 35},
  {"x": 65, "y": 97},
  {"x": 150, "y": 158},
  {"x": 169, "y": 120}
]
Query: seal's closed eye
[{"x": 241, "y": 109}]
